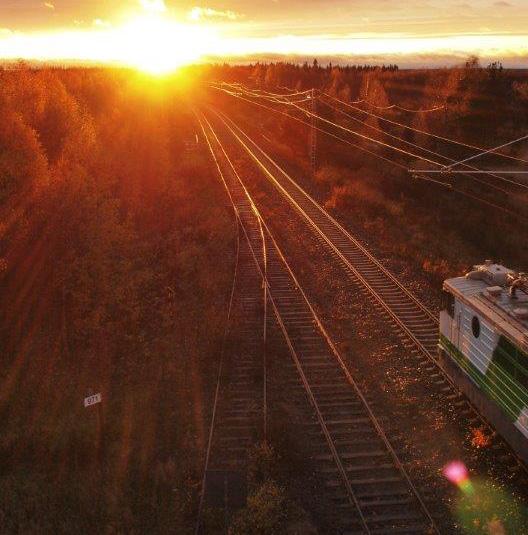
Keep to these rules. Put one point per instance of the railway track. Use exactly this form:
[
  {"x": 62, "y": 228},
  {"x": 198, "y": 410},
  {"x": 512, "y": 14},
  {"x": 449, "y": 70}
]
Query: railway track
[
  {"x": 416, "y": 325},
  {"x": 239, "y": 408},
  {"x": 361, "y": 471},
  {"x": 404, "y": 309}
]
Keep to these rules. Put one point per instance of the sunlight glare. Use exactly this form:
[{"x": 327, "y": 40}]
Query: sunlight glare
[
  {"x": 153, "y": 6},
  {"x": 157, "y": 44}
]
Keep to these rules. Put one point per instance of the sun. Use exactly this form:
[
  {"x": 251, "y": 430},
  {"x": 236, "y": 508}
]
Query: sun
[{"x": 157, "y": 45}]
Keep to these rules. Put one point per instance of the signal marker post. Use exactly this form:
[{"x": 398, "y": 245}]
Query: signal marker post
[
  {"x": 93, "y": 400},
  {"x": 90, "y": 401}
]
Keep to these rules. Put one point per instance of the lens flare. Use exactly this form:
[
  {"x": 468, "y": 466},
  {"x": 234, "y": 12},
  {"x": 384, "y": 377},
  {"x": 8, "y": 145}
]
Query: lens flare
[
  {"x": 482, "y": 507},
  {"x": 457, "y": 473}
]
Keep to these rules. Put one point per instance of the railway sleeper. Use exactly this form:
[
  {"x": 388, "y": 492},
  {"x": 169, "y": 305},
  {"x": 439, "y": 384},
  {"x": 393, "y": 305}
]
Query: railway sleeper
[
  {"x": 246, "y": 431},
  {"x": 350, "y": 436},
  {"x": 322, "y": 378},
  {"x": 415, "y": 528},
  {"x": 349, "y": 448},
  {"x": 390, "y": 516},
  {"x": 343, "y": 412},
  {"x": 349, "y": 422},
  {"x": 340, "y": 404},
  {"x": 382, "y": 470}
]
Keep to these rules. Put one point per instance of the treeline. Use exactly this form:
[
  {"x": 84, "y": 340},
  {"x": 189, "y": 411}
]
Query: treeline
[
  {"x": 111, "y": 231},
  {"x": 482, "y": 104}
]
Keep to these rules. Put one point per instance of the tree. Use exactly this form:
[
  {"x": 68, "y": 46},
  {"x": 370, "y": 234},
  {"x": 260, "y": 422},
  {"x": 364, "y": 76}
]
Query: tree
[
  {"x": 23, "y": 165},
  {"x": 473, "y": 62}
]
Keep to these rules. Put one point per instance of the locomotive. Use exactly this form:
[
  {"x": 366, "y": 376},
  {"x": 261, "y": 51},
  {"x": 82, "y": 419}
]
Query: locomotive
[{"x": 483, "y": 346}]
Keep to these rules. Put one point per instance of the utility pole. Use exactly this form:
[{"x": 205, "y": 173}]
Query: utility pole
[{"x": 313, "y": 133}]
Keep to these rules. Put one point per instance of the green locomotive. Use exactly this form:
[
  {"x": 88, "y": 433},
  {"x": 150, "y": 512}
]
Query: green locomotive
[{"x": 484, "y": 346}]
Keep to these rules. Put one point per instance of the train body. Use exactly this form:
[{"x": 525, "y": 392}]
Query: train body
[{"x": 484, "y": 346}]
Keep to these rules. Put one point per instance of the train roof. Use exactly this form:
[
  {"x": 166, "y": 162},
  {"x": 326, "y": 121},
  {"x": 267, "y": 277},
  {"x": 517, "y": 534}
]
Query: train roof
[{"x": 494, "y": 303}]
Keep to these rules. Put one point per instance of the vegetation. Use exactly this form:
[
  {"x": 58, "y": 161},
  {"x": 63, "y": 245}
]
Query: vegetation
[
  {"x": 111, "y": 236},
  {"x": 270, "y": 509}
]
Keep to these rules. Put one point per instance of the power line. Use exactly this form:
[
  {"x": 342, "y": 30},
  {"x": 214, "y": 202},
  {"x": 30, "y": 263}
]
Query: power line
[
  {"x": 416, "y": 176},
  {"x": 390, "y": 106},
  {"x": 490, "y": 185},
  {"x": 271, "y": 97},
  {"x": 373, "y": 140},
  {"x": 384, "y": 132},
  {"x": 474, "y": 170},
  {"x": 489, "y": 150},
  {"x": 449, "y": 171},
  {"x": 318, "y": 128},
  {"x": 402, "y": 108},
  {"x": 419, "y": 147},
  {"x": 293, "y": 94},
  {"x": 424, "y": 132}
]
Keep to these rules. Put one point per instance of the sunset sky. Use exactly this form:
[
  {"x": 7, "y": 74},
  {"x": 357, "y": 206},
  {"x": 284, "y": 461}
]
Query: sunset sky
[{"x": 173, "y": 32}]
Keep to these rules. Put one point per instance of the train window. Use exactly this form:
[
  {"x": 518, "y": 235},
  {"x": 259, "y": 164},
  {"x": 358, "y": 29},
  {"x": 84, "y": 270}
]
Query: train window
[
  {"x": 448, "y": 303},
  {"x": 475, "y": 326}
]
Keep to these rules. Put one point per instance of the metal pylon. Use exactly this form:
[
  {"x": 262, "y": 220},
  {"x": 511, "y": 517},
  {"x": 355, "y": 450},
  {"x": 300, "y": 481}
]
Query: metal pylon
[{"x": 313, "y": 133}]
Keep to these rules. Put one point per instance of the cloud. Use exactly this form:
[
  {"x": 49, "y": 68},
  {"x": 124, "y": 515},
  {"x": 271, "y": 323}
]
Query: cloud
[
  {"x": 100, "y": 23},
  {"x": 153, "y": 6},
  {"x": 502, "y": 3},
  {"x": 49, "y": 5},
  {"x": 197, "y": 13}
]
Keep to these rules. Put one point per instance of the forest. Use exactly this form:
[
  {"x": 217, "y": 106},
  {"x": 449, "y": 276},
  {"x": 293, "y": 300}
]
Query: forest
[{"x": 112, "y": 227}]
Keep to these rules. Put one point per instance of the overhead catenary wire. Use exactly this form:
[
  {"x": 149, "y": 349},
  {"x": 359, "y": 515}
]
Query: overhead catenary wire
[
  {"x": 446, "y": 185},
  {"x": 252, "y": 93},
  {"x": 474, "y": 170},
  {"x": 474, "y": 157},
  {"x": 424, "y": 132},
  {"x": 292, "y": 94},
  {"x": 372, "y": 153},
  {"x": 402, "y": 108},
  {"x": 390, "y": 106},
  {"x": 468, "y": 173},
  {"x": 449, "y": 171},
  {"x": 365, "y": 137},
  {"x": 493, "y": 174},
  {"x": 273, "y": 97}
]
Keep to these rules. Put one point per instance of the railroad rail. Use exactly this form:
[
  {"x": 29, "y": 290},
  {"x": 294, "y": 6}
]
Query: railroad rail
[
  {"x": 352, "y": 453},
  {"x": 413, "y": 321},
  {"x": 238, "y": 418},
  {"x": 403, "y": 308}
]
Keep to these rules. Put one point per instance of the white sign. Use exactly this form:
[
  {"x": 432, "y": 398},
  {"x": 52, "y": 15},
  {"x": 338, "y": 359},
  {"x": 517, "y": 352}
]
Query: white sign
[{"x": 92, "y": 400}]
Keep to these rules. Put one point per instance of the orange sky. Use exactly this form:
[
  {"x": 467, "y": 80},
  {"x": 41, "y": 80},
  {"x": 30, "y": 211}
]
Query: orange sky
[{"x": 169, "y": 33}]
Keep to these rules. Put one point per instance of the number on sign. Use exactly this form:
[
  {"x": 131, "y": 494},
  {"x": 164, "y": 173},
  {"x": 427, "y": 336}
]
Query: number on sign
[{"x": 92, "y": 400}]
